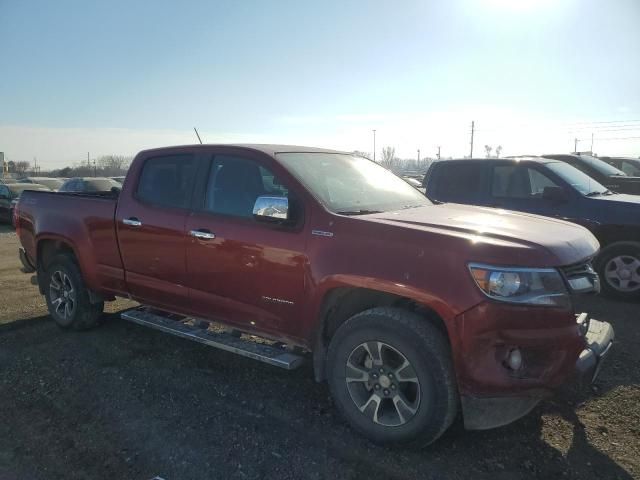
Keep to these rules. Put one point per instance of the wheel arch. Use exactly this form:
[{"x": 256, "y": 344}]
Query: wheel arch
[
  {"x": 343, "y": 302},
  {"x": 612, "y": 234}
]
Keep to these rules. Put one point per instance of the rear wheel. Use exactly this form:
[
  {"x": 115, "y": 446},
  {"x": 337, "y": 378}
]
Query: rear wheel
[
  {"x": 391, "y": 376},
  {"x": 618, "y": 266},
  {"x": 67, "y": 296}
]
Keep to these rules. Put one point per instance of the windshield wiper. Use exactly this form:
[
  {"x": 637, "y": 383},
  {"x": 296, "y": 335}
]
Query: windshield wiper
[
  {"x": 596, "y": 193},
  {"x": 359, "y": 212}
]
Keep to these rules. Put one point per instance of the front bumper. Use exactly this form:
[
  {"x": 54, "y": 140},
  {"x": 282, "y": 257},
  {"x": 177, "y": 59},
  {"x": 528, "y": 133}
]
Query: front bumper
[
  {"x": 599, "y": 338},
  {"x": 492, "y": 396}
]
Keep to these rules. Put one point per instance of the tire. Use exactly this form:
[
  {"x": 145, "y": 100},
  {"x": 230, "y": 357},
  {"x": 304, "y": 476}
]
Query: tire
[
  {"x": 73, "y": 310},
  {"x": 431, "y": 394},
  {"x": 618, "y": 266}
]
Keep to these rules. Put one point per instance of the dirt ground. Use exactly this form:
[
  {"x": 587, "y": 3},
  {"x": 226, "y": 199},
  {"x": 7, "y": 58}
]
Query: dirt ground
[{"x": 124, "y": 402}]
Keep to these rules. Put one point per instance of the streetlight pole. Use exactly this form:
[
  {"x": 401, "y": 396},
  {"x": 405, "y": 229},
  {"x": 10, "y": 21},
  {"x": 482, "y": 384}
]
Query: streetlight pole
[{"x": 374, "y": 145}]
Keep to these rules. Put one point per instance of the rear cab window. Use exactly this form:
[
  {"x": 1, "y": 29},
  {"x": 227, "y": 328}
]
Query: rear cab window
[
  {"x": 456, "y": 181},
  {"x": 167, "y": 181}
]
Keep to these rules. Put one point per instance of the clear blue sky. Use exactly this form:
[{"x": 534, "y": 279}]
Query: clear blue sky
[{"x": 322, "y": 72}]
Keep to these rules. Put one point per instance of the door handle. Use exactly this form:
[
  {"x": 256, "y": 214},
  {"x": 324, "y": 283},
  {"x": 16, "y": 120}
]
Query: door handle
[
  {"x": 132, "y": 222},
  {"x": 202, "y": 234}
]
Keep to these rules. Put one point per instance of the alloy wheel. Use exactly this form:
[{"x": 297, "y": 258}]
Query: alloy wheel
[
  {"x": 382, "y": 383},
  {"x": 62, "y": 295}
]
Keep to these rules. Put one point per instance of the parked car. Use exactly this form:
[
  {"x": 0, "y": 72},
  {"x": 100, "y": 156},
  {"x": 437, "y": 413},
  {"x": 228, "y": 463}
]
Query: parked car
[
  {"x": 49, "y": 182},
  {"x": 9, "y": 195},
  {"x": 412, "y": 310},
  {"x": 554, "y": 189},
  {"x": 630, "y": 166},
  {"x": 120, "y": 180},
  {"x": 89, "y": 184},
  {"x": 607, "y": 175}
]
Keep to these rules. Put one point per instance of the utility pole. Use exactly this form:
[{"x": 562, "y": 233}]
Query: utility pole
[
  {"x": 473, "y": 125},
  {"x": 591, "y": 143},
  {"x": 95, "y": 169},
  {"x": 418, "y": 155},
  {"x": 88, "y": 161},
  {"x": 374, "y": 145},
  {"x": 575, "y": 145},
  {"x": 438, "y": 154}
]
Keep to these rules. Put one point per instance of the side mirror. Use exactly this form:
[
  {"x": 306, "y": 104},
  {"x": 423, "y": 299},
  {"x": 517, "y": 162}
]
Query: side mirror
[
  {"x": 271, "y": 209},
  {"x": 555, "y": 194}
]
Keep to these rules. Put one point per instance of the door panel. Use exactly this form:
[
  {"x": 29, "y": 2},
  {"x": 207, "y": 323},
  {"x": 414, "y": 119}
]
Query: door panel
[
  {"x": 153, "y": 255},
  {"x": 151, "y": 231},
  {"x": 251, "y": 274}
]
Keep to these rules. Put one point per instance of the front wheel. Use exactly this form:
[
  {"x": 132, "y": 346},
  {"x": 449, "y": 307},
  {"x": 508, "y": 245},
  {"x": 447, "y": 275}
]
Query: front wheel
[
  {"x": 391, "y": 375},
  {"x": 67, "y": 296},
  {"x": 618, "y": 266}
]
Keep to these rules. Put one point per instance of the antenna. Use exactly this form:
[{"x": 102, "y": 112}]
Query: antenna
[{"x": 197, "y": 135}]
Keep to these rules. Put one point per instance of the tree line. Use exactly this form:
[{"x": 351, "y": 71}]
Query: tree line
[{"x": 105, "y": 166}]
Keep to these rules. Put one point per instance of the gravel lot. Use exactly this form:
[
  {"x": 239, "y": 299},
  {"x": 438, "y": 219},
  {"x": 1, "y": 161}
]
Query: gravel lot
[{"x": 124, "y": 402}]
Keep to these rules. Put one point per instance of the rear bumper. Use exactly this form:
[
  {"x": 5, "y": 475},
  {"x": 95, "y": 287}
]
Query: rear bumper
[
  {"x": 513, "y": 396},
  {"x": 27, "y": 265}
]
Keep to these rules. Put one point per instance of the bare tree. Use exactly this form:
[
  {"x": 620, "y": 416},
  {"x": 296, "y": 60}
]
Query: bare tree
[
  {"x": 388, "y": 159},
  {"x": 22, "y": 167},
  {"x": 498, "y": 151},
  {"x": 487, "y": 149},
  {"x": 111, "y": 165}
]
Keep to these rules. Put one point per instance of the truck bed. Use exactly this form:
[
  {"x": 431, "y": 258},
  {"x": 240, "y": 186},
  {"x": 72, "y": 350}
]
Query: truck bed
[{"x": 85, "y": 221}]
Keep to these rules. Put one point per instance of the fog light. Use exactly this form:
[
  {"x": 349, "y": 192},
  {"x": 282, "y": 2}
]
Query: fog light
[{"x": 514, "y": 359}]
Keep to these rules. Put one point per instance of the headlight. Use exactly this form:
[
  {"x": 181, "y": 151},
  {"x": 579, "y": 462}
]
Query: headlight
[{"x": 529, "y": 286}]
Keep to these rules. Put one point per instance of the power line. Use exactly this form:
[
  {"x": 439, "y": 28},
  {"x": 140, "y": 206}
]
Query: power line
[
  {"x": 566, "y": 125},
  {"x": 609, "y": 138}
]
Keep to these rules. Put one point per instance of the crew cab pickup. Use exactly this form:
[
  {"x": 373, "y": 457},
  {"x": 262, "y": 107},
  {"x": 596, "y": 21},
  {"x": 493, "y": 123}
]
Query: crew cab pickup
[
  {"x": 556, "y": 189},
  {"x": 414, "y": 312}
]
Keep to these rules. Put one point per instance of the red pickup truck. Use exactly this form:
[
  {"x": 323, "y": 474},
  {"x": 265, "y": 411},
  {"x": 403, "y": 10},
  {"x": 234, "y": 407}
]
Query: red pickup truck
[{"x": 414, "y": 312}]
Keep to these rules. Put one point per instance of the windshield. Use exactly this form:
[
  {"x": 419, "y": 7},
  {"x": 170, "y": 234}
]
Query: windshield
[
  {"x": 351, "y": 185},
  {"x": 601, "y": 166},
  {"x": 577, "y": 179}
]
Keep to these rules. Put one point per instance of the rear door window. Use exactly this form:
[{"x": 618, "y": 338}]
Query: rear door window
[
  {"x": 167, "y": 181},
  {"x": 456, "y": 181}
]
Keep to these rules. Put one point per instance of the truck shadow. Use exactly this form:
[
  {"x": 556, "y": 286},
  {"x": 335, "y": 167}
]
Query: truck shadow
[{"x": 267, "y": 412}]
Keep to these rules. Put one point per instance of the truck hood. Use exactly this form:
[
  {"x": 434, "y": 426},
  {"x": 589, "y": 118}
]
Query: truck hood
[{"x": 542, "y": 240}]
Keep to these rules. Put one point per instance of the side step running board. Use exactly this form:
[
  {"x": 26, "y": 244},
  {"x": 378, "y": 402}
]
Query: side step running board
[{"x": 199, "y": 331}]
